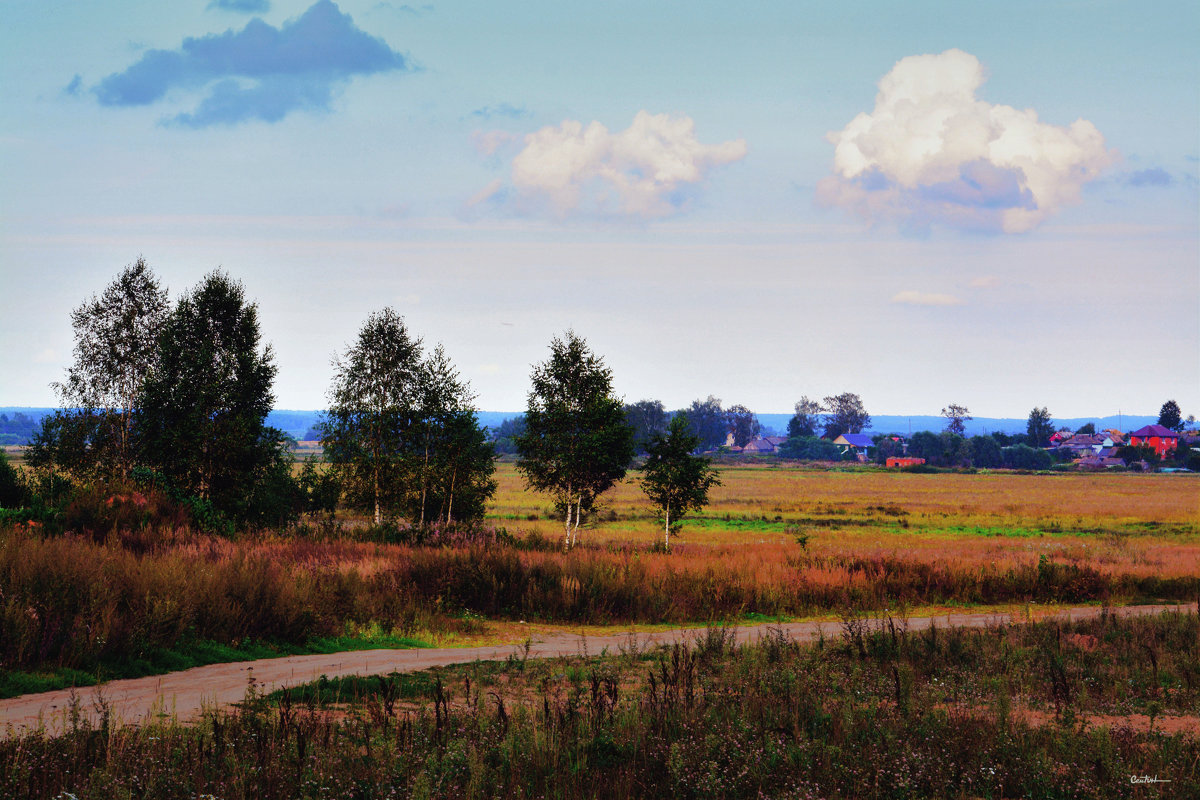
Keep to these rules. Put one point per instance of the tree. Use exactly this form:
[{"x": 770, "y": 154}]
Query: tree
[
  {"x": 115, "y": 351},
  {"x": 956, "y": 418},
  {"x": 1039, "y": 428},
  {"x": 456, "y": 458},
  {"x": 985, "y": 452},
  {"x": 809, "y": 448},
  {"x": 372, "y": 412},
  {"x": 12, "y": 492},
  {"x": 1087, "y": 428},
  {"x": 887, "y": 446},
  {"x": 504, "y": 437},
  {"x": 708, "y": 422},
  {"x": 204, "y": 405},
  {"x": 805, "y": 420},
  {"x": 1169, "y": 416},
  {"x": 844, "y": 414},
  {"x": 926, "y": 445},
  {"x": 576, "y": 443},
  {"x": 741, "y": 422},
  {"x": 647, "y": 418},
  {"x": 675, "y": 480}
]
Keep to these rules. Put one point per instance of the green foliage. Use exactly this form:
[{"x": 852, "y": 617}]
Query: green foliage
[
  {"x": 115, "y": 352},
  {"x": 1169, "y": 416},
  {"x": 741, "y": 422},
  {"x": 844, "y": 413},
  {"x": 504, "y": 437},
  {"x": 201, "y": 422},
  {"x": 809, "y": 448},
  {"x": 1088, "y": 428},
  {"x": 401, "y": 432},
  {"x": 647, "y": 419},
  {"x": 1022, "y": 456},
  {"x": 675, "y": 480},
  {"x": 805, "y": 421},
  {"x": 319, "y": 489},
  {"x": 708, "y": 422},
  {"x": 576, "y": 443},
  {"x": 985, "y": 452},
  {"x": 12, "y": 490},
  {"x": 1039, "y": 427}
]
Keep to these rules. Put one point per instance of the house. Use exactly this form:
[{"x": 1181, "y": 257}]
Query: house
[
  {"x": 1162, "y": 439},
  {"x": 764, "y": 445},
  {"x": 1097, "y": 462},
  {"x": 858, "y": 442},
  {"x": 904, "y": 461}
]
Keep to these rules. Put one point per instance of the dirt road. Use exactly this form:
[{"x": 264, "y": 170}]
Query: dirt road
[{"x": 185, "y": 694}]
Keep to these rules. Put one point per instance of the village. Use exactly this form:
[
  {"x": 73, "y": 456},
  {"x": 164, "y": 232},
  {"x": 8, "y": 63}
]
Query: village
[{"x": 1152, "y": 447}]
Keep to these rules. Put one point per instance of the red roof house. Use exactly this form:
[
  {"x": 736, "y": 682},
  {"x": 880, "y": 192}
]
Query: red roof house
[{"x": 1162, "y": 439}]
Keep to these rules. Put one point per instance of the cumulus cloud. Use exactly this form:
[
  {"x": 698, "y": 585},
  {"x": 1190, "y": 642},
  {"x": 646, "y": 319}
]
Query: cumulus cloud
[
  {"x": 931, "y": 152},
  {"x": 913, "y": 298},
  {"x": 242, "y": 6},
  {"x": 647, "y": 170},
  {"x": 259, "y": 72}
]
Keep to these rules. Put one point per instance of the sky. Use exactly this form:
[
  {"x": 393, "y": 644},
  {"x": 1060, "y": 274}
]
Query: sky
[{"x": 924, "y": 203}]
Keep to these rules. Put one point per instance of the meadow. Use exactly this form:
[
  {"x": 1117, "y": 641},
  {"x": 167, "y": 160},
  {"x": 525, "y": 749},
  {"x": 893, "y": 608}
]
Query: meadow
[
  {"x": 126, "y": 592},
  {"x": 1090, "y": 709}
]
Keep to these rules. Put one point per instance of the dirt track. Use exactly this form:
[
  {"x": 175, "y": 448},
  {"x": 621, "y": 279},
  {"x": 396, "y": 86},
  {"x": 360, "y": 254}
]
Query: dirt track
[{"x": 185, "y": 694}]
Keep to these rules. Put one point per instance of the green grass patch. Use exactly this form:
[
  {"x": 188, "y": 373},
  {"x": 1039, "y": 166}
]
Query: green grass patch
[{"x": 195, "y": 653}]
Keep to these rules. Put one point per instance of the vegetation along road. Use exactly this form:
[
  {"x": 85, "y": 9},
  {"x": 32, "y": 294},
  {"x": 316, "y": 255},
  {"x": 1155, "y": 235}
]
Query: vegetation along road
[{"x": 186, "y": 694}]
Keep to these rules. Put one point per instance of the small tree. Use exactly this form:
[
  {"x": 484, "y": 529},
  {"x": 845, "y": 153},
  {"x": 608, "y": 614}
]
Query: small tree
[
  {"x": 576, "y": 443},
  {"x": 1169, "y": 416},
  {"x": 844, "y": 413},
  {"x": 742, "y": 423},
  {"x": 806, "y": 419},
  {"x": 675, "y": 480},
  {"x": 1039, "y": 428},
  {"x": 956, "y": 418}
]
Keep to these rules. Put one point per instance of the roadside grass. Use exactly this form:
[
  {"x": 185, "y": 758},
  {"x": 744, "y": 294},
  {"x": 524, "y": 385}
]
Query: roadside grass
[
  {"x": 196, "y": 653},
  {"x": 1053, "y": 709}
]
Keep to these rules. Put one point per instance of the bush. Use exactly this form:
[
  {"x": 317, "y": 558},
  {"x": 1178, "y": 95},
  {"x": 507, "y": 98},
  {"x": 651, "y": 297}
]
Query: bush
[{"x": 12, "y": 491}]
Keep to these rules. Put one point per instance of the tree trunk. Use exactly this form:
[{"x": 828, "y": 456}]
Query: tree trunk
[
  {"x": 378, "y": 511},
  {"x": 667, "y": 530},
  {"x": 450, "y": 499},
  {"x": 424, "y": 480}
]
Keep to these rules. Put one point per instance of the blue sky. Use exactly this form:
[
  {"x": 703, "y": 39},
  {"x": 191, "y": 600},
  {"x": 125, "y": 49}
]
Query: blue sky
[{"x": 924, "y": 203}]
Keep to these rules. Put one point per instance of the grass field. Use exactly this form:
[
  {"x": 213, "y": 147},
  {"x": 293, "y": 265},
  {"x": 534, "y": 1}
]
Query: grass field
[{"x": 777, "y": 542}]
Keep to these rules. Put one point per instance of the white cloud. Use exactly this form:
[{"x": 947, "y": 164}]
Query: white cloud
[
  {"x": 985, "y": 282},
  {"x": 645, "y": 170},
  {"x": 46, "y": 356},
  {"x": 914, "y": 298},
  {"x": 931, "y": 152}
]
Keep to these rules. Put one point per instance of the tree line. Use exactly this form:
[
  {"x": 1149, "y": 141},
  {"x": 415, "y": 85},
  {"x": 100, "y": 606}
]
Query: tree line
[{"x": 177, "y": 396}]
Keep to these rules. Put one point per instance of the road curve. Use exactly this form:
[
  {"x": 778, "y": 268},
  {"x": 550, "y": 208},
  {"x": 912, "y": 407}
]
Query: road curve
[{"x": 184, "y": 695}]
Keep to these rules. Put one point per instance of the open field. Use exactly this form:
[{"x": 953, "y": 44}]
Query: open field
[
  {"x": 776, "y": 543},
  {"x": 879, "y": 709}
]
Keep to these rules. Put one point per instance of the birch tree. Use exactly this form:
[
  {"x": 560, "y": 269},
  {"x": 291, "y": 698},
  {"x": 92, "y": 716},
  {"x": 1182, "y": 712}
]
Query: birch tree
[
  {"x": 115, "y": 350},
  {"x": 675, "y": 480},
  {"x": 576, "y": 443},
  {"x": 372, "y": 414}
]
